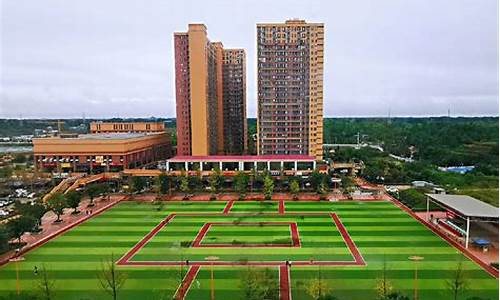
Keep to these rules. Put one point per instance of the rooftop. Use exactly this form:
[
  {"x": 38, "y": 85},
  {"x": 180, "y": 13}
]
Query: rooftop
[
  {"x": 233, "y": 158},
  {"x": 103, "y": 136},
  {"x": 466, "y": 205}
]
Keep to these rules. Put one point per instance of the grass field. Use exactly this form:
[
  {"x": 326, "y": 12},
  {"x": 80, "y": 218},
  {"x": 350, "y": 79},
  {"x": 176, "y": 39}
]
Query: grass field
[{"x": 380, "y": 230}]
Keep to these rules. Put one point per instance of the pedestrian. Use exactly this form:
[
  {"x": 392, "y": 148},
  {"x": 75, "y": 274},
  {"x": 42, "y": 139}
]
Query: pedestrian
[{"x": 35, "y": 270}]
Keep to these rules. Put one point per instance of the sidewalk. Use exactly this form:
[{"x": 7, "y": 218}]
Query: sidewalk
[{"x": 51, "y": 230}]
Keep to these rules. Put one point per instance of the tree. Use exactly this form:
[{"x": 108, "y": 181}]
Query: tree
[
  {"x": 34, "y": 209},
  {"x": 215, "y": 181},
  {"x": 185, "y": 186},
  {"x": 6, "y": 172},
  {"x": 163, "y": 184},
  {"x": 57, "y": 203},
  {"x": 316, "y": 180},
  {"x": 45, "y": 284},
  {"x": 258, "y": 284},
  {"x": 323, "y": 191},
  {"x": 384, "y": 286},
  {"x": 73, "y": 199},
  {"x": 294, "y": 189},
  {"x": 195, "y": 181},
  {"x": 241, "y": 183},
  {"x": 19, "y": 158},
  {"x": 317, "y": 288},
  {"x": 347, "y": 183},
  {"x": 110, "y": 278},
  {"x": 268, "y": 187},
  {"x": 458, "y": 283},
  {"x": 137, "y": 183},
  {"x": 18, "y": 226},
  {"x": 4, "y": 239},
  {"x": 94, "y": 190}
]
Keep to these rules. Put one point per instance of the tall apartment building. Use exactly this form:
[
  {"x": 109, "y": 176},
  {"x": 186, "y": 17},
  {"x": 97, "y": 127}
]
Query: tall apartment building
[
  {"x": 290, "y": 88},
  {"x": 234, "y": 96},
  {"x": 201, "y": 101}
]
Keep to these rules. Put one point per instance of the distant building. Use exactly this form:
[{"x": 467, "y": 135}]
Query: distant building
[
  {"x": 457, "y": 169},
  {"x": 290, "y": 88},
  {"x": 422, "y": 184},
  {"x": 210, "y": 95},
  {"x": 100, "y": 152},
  {"x": 130, "y": 127}
]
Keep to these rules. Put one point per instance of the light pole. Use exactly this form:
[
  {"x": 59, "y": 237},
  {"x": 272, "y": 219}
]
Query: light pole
[
  {"x": 416, "y": 259},
  {"x": 16, "y": 261},
  {"x": 211, "y": 259}
]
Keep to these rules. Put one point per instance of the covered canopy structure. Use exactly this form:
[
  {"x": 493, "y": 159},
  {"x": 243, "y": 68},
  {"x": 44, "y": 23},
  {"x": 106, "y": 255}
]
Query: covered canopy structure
[
  {"x": 465, "y": 207},
  {"x": 241, "y": 162}
]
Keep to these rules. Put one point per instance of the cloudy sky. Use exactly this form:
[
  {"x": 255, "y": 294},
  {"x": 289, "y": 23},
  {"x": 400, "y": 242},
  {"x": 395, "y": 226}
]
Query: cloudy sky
[{"x": 114, "y": 58}]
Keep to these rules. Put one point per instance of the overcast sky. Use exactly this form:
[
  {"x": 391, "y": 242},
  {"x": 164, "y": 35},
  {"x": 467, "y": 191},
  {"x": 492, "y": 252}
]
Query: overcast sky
[{"x": 114, "y": 58}]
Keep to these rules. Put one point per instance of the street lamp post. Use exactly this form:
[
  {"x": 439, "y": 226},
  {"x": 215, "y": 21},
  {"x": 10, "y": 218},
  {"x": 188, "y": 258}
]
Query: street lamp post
[
  {"x": 16, "y": 261},
  {"x": 415, "y": 259},
  {"x": 211, "y": 259}
]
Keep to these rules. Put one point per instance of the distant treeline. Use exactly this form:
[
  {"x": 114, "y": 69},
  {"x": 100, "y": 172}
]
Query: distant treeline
[{"x": 441, "y": 140}]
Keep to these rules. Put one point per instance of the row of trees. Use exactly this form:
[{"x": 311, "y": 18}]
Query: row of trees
[
  {"x": 242, "y": 183},
  {"x": 29, "y": 215},
  {"x": 259, "y": 283},
  {"x": 255, "y": 284}
]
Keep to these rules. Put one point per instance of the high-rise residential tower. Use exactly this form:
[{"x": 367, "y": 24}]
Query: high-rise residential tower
[
  {"x": 201, "y": 101},
  {"x": 234, "y": 99},
  {"x": 290, "y": 88}
]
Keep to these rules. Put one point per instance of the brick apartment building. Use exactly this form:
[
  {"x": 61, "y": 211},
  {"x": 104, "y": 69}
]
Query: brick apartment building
[
  {"x": 210, "y": 86},
  {"x": 290, "y": 88}
]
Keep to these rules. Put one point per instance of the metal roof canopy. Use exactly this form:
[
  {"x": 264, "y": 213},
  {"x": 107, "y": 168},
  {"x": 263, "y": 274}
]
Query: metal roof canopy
[{"x": 466, "y": 206}]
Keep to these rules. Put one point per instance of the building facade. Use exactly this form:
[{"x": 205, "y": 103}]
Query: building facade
[
  {"x": 290, "y": 88},
  {"x": 234, "y": 102},
  {"x": 100, "y": 152},
  {"x": 200, "y": 101},
  {"x": 131, "y": 127}
]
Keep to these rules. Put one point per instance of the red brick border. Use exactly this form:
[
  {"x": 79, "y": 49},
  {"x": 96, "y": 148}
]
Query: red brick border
[
  {"x": 197, "y": 243},
  {"x": 186, "y": 283},
  {"x": 285, "y": 288},
  {"x": 229, "y": 206},
  {"x": 281, "y": 208}
]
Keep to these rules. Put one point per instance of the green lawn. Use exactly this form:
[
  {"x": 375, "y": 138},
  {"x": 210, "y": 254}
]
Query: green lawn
[
  {"x": 379, "y": 229},
  {"x": 319, "y": 238}
]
